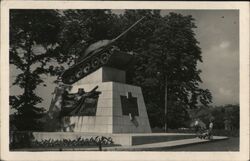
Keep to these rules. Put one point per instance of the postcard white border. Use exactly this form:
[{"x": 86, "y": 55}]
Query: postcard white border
[{"x": 243, "y": 154}]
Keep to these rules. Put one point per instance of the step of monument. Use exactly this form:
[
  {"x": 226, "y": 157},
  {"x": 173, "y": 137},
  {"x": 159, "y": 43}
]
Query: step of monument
[{"x": 119, "y": 138}]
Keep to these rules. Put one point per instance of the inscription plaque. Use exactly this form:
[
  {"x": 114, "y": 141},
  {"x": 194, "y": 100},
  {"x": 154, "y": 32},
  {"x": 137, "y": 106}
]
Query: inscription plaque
[{"x": 129, "y": 105}]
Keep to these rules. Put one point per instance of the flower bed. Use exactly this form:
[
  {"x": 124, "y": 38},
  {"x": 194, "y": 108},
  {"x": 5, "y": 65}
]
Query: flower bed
[{"x": 25, "y": 140}]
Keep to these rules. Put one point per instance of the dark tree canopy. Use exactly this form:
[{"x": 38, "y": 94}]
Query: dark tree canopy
[
  {"x": 30, "y": 29},
  {"x": 82, "y": 28}
]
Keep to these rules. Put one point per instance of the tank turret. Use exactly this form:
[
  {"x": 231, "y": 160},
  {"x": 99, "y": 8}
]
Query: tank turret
[{"x": 101, "y": 53}]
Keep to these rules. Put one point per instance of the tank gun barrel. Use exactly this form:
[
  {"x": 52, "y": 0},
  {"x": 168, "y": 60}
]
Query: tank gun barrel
[
  {"x": 103, "y": 44},
  {"x": 124, "y": 32}
]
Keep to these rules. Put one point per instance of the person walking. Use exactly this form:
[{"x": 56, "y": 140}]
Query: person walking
[
  {"x": 196, "y": 126},
  {"x": 210, "y": 128}
]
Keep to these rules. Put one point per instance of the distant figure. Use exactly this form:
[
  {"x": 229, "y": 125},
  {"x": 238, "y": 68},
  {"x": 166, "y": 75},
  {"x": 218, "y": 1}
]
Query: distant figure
[
  {"x": 196, "y": 126},
  {"x": 201, "y": 131},
  {"x": 210, "y": 128},
  {"x": 207, "y": 134}
]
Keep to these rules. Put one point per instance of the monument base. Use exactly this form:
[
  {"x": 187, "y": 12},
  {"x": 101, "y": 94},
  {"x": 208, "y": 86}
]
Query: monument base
[{"x": 114, "y": 113}]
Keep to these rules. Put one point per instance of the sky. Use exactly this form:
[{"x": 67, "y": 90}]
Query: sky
[{"x": 218, "y": 34}]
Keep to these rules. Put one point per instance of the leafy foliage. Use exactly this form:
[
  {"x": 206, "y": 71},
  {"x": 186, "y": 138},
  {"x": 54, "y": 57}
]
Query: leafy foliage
[
  {"x": 31, "y": 30},
  {"x": 220, "y": 114},
  {"x": 82, "y": 28},
  {"x": 227, "y": 113}
]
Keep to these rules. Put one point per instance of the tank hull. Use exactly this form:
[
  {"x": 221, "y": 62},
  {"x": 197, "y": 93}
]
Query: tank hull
[{"x": 110, "y": 58}]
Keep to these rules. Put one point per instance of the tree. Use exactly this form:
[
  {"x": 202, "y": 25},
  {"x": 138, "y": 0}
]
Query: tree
[
  {"x": 219, "y": 117},
  {"x": 82, "y": 28},
  {"x": 227, "y": 113},
  {"x": 235, "y": 116},
  {"x": 168, "y": 74},
  {"x": 203, "y": 113},
  {"x": 33, "y": 42}
]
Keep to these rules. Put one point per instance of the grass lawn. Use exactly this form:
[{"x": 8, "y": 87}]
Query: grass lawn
[{"x": 231, "y": 144}]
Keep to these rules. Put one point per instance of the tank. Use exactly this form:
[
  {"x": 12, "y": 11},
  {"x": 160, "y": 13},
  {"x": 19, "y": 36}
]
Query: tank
[{"x": 101, "y": 53}]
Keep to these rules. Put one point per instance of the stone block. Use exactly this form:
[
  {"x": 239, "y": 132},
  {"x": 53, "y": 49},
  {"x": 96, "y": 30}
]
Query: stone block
[
  {"x": 100, "y": 120},
  {"x": 88, "y": 120},
  {"x": 126, "y": 129},
  {"x": 84, "y": 128},
  {"x": 116, "y": 95},
  {"x": 104, "y": 111},
  {"x": 121, "y": 88},
  {"x": 94, "y": 77},
  {"x": 115, "y": 87},
  {"x": 117, "y": 120},
  {"x": 110, "y": 129},
  {"x": 106, "y": 86},
  {"x": 137, "y": 89},
  {"x": 142, "y": 113},
  {"x": 116, "y": 129},
  {"x": 104, "y": 102},
  {"x": 126, "y": 120},
  {"x": 106, "y": 94}
]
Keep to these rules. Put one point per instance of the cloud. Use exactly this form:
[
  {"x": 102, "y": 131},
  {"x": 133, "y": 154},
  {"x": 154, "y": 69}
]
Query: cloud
[{"x": 224, "y": 44}]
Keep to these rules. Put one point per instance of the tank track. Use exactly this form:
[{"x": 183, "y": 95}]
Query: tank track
[{"x": 86, "y": 66}]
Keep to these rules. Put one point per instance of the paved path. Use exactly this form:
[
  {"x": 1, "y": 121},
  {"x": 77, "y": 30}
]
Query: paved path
[
  {"x": 167, "y": 144},
  {"x": 231, "y": 144}
]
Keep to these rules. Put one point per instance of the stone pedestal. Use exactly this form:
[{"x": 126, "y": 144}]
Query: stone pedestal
[
  {"x": 120, "y": 107},
  {"x": 104, "y": 74}
]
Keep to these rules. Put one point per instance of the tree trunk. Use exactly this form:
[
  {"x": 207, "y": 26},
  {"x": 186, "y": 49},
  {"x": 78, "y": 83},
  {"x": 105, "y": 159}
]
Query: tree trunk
[
  {"x": 27, "y": 73},
  {"x": 27, "y": 89}
]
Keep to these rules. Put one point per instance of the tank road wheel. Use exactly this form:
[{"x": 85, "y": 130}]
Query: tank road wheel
[
  {"x": 79, "y": 73},
  {"x": 104, "y": 58},
  {"x": 95, "y": 62},
  {"x": 86, "y": 68}
]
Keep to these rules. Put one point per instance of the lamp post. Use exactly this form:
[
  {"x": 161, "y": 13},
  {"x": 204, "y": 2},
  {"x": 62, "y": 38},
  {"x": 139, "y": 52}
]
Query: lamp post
[
  {"x": 166, "y": 106},
  {"x": 165, "y": 99}
]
